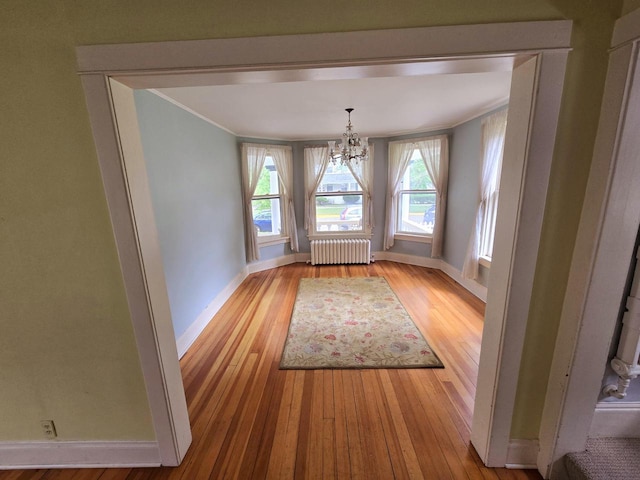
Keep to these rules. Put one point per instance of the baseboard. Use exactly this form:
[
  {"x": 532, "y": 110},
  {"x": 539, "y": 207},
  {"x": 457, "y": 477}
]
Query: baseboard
[
  {"x": 199, "y": 324},
  {"x": 522, "y": 454},
  {"x": 616, "y": 420},
  {"x": 472, "y": 286},
  {"x": 261, "y": 265},
  {"x": 408, "y": 259},
  {"x": 19, "y": 455}
]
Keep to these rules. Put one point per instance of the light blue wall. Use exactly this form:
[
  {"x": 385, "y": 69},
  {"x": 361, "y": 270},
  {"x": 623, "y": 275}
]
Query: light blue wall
[
  {"x": 465, "y": 157},
  {"x": 464, "y": 190},
  {"x": 194, "y": 178}
]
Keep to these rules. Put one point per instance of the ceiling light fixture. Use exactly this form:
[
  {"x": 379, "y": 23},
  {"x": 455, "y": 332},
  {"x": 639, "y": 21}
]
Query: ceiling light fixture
[{"x": 351, "y": 149}]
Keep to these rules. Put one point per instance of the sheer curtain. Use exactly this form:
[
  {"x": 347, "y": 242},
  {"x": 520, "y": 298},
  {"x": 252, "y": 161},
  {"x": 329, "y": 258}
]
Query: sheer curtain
[
  {"x": 399, "y": 157},
  {"x": 316, "y": 160},
  {"x": 253, "y": 157},
  {"x": 283, "y": 160},
  {"x": 493, "y": 132},
  {"x": 435, "y": 154},
  {"x": 363, "y": 173}
]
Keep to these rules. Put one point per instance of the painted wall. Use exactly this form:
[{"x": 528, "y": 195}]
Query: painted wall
[
  {"x": 194, "y": 179},
  {"x": 465, "y": 160},
  {"x": 60, "y": 284}
]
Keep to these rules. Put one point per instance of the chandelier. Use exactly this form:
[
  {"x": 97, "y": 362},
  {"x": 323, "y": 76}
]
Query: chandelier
[{"x": 351, "y": 149}]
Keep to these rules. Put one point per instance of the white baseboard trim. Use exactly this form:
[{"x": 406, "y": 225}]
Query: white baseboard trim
[
  {"x": 261, "y": 265},
  {"x": 19, "y": 455},
  {"x": 616, "y": 420},
  {"x": 472, "y": 286},
  {"x": 522, "y": 454},
  {"x": 199, "y": 324},
  {"x": 303, "y": 257},
  {"x": 408, "y": 259}
]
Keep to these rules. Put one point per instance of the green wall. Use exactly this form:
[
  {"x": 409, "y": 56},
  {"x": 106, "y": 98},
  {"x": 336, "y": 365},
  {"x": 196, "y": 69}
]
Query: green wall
[{"x": 66, "y": 349}]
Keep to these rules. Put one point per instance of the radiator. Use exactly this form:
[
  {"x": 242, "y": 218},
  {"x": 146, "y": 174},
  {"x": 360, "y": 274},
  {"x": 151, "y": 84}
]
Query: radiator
[
  {"x": 626, "y": 363},
  {"x": 348, "y": 250}
]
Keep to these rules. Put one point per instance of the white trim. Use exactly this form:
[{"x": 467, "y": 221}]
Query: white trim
[
  {"x": 484, "y": 261},
  {"x": 19, "y": 455},
  {"x": 522, "y": 454},
  {"x": 149, "y": 65},
  {"x": 626, "y": 29},
  {"x": 195, "y": 329},
  {"x": 619, "y": 420},
  {"x": 604, "y": 246},
  {"x": 136, "y": 236},
  {"x": 408, "y": 259},
  {"x": 324, "y": 49},
  {"x": 267, "y": 241},
  {"x": 472, "y": 286},
  {"x": 413, "y": 238},
  {"x": 529, "y": 147},
  {"x": 261, "y": 265},
  {"x": 504, "y": 102},
  {"x": 191, "y": 111}
]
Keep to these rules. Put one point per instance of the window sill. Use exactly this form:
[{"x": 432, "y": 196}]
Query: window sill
[
  {"x": 268, "y": 241},
  {"x": 413, "y": 238},
  {"x": 337, "y": 235},
  {"x": 485, "y": 262}
]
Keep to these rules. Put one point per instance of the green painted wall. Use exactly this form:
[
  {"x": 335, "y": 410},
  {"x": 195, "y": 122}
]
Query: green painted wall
[{"x": 66, "y": 349}]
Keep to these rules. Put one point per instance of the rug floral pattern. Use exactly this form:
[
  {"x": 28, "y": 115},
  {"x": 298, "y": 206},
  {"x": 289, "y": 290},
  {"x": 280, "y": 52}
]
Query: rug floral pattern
[{"x": 353, "y": 323}]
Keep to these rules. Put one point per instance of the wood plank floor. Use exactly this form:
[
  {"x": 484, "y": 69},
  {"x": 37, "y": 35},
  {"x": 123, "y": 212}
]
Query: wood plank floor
[{"x": 251, "y": 420}]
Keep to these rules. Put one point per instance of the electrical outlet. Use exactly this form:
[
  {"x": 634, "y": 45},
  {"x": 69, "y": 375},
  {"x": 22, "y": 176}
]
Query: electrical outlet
[{"x": 48, "y": 429}]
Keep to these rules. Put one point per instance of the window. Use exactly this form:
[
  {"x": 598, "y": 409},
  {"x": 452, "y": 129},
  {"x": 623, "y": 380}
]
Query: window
[
  {"x": 417, "y": 191},
  {"x": 417, "y": 199},
  {"x": 338, "y": 201},
  {"x": 266, "y": 204},
  {"x": 338, "y": 198},
  {"x": 493, "y": 133},
  {"x": 267, "y": 187},
  {"x": 480, "y": 247},
  {"x": 488, "y": 229}
]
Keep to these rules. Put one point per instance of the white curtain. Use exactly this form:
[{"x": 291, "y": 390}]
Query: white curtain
[
  {"x": 363, "y": 173},
  {"x": 435, "y": 154},
  {"x": 399, "y": 157},
  {"x": 493, "y": 132},
  {"x": 316, "y": 160},
  {"x": 283, "y": 160},
  {"x": 253, "y": 157}
]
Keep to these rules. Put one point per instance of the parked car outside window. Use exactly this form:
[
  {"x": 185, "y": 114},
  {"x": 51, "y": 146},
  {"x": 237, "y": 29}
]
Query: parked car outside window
[{"x": 262, "y": 221}]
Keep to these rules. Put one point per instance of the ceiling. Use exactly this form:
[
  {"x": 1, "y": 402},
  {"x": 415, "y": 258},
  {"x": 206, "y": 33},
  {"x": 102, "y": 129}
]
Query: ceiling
[{"x": 390, "y": 102}]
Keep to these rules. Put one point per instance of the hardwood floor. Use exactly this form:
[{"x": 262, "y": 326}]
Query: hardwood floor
[{"x": 251, "y": 420}]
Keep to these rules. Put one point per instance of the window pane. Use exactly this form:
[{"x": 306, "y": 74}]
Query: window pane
[
  {"x": 268, "y": 181},
  {"x": 267, "y": 216},
  {"x": 487, "y": 233},
  {"x": 417, "y": 213},
  {"x": 338, "y": 178},
  {"x": 334, "y": 214},
  {"x": 416, "y": 176}
]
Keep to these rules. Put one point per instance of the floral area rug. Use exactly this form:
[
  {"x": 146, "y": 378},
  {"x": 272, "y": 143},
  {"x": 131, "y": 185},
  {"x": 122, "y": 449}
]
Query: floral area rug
[{"x": 352, "y": 323}]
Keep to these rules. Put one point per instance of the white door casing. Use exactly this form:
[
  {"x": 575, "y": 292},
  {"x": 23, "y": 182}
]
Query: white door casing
[
  {"x": 164, "y": 64},
  {"x": 604, "y": 247}
]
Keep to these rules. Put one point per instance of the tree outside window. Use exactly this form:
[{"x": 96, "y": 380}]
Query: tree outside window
[
  {"x": 417, "y": 199},
  {"x": 266, "y": 202}
]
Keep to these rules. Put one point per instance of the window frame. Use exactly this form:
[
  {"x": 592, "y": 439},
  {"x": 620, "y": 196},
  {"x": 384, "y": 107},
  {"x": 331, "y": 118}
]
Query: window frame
[
  {"x": 338, "y": 193},
  {"x": 272, "y": 238},
  {"x": 366, "y": 231},
  {"x": 399, "y": 234}
]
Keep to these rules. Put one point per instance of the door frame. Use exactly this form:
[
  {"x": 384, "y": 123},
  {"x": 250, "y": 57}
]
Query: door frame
[
  {"x": 600, "y": 263},
  {"x": 162, "y": 64}
]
